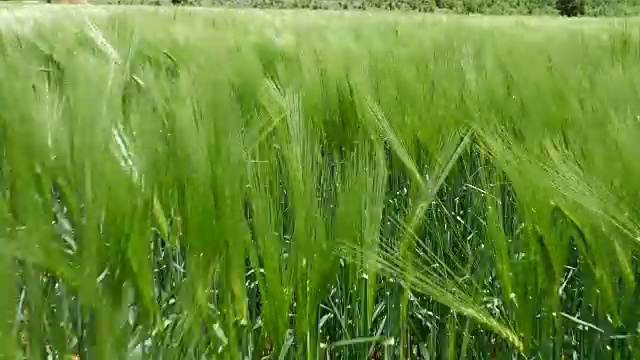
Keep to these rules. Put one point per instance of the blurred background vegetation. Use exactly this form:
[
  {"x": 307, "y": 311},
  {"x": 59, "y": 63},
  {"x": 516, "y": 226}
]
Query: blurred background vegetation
[
  {"x": 489, "y": 7},
  {"x": 492, "y": 7}
]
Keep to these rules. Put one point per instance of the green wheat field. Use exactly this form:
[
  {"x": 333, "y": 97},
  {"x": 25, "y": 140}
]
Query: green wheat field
[{"x": 255, "y": 184}]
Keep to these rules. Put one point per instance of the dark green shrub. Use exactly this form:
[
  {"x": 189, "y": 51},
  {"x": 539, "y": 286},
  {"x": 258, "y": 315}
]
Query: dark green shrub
[{"x": 570, "y": 8}]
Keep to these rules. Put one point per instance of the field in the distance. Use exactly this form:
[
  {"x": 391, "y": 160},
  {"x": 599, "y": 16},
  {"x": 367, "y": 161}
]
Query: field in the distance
[{"x": 199, "y": 184}]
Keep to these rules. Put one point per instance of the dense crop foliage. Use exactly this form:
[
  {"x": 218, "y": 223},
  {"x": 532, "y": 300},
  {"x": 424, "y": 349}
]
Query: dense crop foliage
[{"x": 238, "y": 184}]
